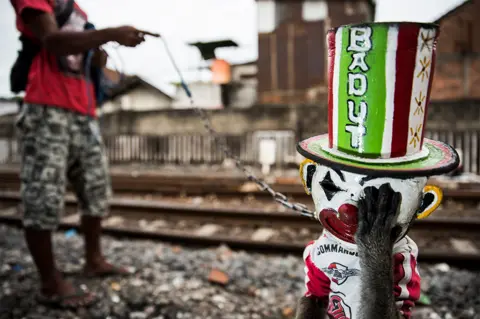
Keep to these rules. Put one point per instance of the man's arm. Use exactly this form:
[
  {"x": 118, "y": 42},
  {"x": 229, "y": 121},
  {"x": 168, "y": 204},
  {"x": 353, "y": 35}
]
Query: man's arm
[{"x": 45, "y": 28}]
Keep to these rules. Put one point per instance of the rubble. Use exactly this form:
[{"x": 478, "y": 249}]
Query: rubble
[{"x": 181, "y": 282}]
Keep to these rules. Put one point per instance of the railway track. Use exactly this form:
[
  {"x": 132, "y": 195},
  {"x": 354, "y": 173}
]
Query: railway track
[
  {"x": 220, "y": 186},
  {"x": 452, "y": 240}
]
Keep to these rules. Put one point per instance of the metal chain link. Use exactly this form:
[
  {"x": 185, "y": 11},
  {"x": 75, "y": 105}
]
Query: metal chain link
[
  {"x": 262, "y": 185},
  {"x": 277, "y": 196}
]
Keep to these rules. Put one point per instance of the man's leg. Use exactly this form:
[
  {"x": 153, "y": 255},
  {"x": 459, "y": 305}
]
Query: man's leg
[
  {"x": 44, "y": 149},
  {"x": 90, "y": 179}
]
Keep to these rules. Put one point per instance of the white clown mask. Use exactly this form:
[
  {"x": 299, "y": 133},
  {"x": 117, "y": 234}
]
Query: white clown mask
[{"x": 336, "y": 193}]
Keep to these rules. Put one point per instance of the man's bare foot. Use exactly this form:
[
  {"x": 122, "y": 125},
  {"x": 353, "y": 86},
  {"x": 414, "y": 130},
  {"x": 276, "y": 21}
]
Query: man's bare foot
[
  {"x": 102, "y": 268},
  {"x": 60, "y": 293}
]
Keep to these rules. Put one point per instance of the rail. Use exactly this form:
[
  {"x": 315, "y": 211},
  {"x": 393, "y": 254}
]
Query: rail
[{"x": 252, "y": 230}]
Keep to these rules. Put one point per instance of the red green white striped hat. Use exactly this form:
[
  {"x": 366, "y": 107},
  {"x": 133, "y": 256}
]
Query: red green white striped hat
[{"x": 379, "y": 82}]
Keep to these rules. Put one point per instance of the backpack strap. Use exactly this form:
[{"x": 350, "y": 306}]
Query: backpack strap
[
  {"x": 65, "y": 15},
  {"x": 21, "y": 67}
]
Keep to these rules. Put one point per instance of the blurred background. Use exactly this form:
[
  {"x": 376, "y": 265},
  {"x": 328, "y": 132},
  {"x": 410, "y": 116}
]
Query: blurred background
[
  {"x": 259, "y": 71},
  {"x": 259, "y": 68}
]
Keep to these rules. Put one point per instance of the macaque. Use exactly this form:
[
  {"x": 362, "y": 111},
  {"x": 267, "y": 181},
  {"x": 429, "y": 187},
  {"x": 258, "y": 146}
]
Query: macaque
[
  {"x": 368, "y": 175},
  {"x": 363, "y": 265}
]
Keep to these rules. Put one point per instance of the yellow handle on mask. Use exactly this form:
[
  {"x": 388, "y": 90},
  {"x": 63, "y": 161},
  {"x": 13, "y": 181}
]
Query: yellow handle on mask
[{"x": 435, "y": 191}]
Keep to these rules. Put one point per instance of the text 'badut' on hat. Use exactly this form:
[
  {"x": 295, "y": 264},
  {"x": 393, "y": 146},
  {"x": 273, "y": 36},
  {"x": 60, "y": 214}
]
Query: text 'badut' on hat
[{"x": 380, "y": 77}]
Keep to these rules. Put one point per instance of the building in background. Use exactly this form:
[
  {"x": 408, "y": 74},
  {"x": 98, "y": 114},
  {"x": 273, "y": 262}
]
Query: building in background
[
  {"x": 230, "y": 86},
  {"x": 457, "y": 69},
  {"x": 292, "y": 51},
  {"x": 130, "y": 92}
]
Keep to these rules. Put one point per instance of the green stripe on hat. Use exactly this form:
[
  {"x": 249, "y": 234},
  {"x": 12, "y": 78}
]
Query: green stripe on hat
[
  {"x": 376, "y": 60},
  {"x": 362, "y": 70}
]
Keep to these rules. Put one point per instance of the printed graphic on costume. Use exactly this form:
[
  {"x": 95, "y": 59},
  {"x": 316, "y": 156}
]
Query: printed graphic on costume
[
  {"x": 340, "y": 273},
  {"x": 337, "y": 308},
  {"x": 71, "y": 64}
]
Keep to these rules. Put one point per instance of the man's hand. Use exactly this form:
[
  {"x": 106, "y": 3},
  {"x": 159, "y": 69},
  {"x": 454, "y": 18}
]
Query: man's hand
[
  {"x": 130, "y": 36},
  {"x": 377, "y": 211}
]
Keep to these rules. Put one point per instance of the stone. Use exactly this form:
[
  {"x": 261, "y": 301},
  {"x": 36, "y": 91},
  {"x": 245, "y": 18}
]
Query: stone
[
  {"x": 176, "y": 249},
  {"x": 186, "y": 282},
  {"x": 71, "y": 219},
  {"x": 207, "y": 230},
  {"x": 263, "y": 234},
  {"x": 113, "y": 221},
  {"x": 442, "y": 267},
  {"x": 115, "y": 286},
  {"x": 10, "y": 211},
  {"x": 138, "y": 315},
  {"x": 288, "y": 312},
  {"x": 219, "y": 277},
  {"x": 248, "y": 187},
  {"x": 463, "y": 246}
]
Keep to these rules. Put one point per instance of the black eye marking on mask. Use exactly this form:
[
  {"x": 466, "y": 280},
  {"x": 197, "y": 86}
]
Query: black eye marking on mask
[
  {"x": 329, "y": 187},
  {"x": 310, "y": 171}
]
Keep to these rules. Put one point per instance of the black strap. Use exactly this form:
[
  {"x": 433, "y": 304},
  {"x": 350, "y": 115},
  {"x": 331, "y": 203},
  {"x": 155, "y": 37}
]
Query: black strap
[
  {"x": 21, "y": 67},
  {"x": 65, "y": 15}
]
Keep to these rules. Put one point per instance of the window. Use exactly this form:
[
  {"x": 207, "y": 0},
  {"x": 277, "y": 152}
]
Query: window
[
  {"x": 314, "y": 10},
  {"x": 266, "y": 16}
]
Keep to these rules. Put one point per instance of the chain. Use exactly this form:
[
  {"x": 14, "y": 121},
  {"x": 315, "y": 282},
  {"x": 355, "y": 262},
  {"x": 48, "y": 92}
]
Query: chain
[{"x": 262, "y": 185}]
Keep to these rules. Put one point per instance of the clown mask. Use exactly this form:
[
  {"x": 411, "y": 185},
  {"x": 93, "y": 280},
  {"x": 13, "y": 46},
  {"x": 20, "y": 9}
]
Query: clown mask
[{"x": 335, "y": 194}]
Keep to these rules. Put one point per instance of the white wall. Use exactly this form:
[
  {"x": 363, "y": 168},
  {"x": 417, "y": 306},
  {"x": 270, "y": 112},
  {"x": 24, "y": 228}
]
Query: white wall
[
  {"x": 8, "y": 107},
  {"x": 205, "y": 94},
  {"x": 139, "y": 99}
]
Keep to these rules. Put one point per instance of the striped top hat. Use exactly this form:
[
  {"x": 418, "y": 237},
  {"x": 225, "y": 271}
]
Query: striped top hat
[{"x": 379, "y": 81}]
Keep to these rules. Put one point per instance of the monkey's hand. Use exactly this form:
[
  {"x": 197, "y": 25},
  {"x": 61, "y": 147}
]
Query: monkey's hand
[
  {"x": 375, "y": 238},
  {"x": 376, "y": 215}
]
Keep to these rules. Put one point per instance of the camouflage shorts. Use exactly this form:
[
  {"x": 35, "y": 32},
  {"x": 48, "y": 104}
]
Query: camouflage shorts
[{"x": 57, "y": 145}]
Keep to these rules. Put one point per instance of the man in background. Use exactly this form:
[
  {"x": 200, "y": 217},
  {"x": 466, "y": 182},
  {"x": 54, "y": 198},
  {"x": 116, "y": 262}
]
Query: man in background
[{"x": 60, "y": 139}]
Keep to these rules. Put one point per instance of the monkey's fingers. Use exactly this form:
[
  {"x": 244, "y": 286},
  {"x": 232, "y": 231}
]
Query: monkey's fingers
[
  {"x": 363, "y": 220},
  {"x": 370, "y": 197},
  {"x": 384, "y": 199}
]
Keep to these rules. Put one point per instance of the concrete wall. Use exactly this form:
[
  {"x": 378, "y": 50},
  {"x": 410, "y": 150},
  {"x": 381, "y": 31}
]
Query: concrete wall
[
  {"x": 233, "y": 121},
  {"x": 305, "y": 120},
  {"x": 206, "y": 94},
  {"x": 139, "y": 99},
  {"x": 292, "y": 53}
]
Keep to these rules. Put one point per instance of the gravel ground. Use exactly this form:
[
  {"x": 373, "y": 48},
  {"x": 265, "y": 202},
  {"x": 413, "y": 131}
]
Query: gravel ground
[{"x": 173, "y": 282}]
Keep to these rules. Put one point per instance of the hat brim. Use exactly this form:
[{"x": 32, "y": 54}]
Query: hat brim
[{"x": 441, "y": 159}]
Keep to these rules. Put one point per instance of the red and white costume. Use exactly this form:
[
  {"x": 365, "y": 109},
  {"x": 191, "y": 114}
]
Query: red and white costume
[{"x": 332, "y": 269}]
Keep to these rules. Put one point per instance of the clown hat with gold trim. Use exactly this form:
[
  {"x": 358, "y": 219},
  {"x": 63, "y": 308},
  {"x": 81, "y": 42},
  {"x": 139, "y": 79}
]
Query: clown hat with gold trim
[{"x": 379, "y": 82}]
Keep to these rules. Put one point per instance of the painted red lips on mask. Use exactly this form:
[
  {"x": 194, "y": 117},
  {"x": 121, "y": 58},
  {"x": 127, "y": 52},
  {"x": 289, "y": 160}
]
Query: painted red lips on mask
[{"x": 342, "y": 224}]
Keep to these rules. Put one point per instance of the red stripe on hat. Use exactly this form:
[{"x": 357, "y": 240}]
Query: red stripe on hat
[
  {"x": 331, "y": 64},
  {"x": 405, "y": 68},
  {"x": 430, "y": 80}
]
